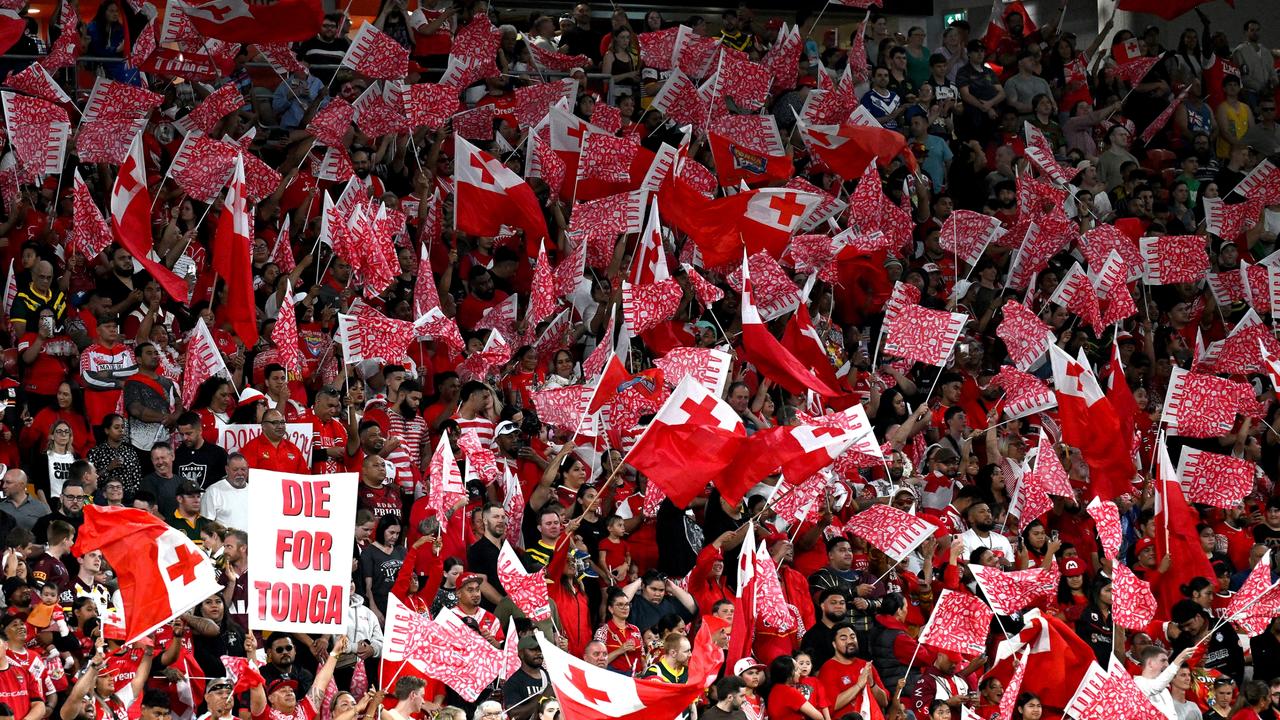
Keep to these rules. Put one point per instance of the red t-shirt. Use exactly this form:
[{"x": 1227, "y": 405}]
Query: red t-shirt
[
  {"x": 380, "y": 501},
  {"x": 785, "y": 703},
  {"x": 836, "y": 677},
  {"x": 18, "y": 690},
  {"x": 614, "y": 638}
]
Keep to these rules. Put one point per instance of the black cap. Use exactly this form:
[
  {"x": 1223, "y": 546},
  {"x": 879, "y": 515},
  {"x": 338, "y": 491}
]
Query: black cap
[{"x": 189, "y": 488}]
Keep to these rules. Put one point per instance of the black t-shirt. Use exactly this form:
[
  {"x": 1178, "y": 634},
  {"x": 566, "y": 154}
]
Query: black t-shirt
[
  {"x": 203, "y": 466},
  {"x": 1264, "y": 535},
  {"x": 715, "y": 713},
  {"x": 482, "y": 557},
  {"x": 817, "y": 642},
  {"x": 317, "y": 51},
  {"x": 521, "y": 686},
  {"x": 165, "y": 490},
  {"x": 582, "y": 42}
]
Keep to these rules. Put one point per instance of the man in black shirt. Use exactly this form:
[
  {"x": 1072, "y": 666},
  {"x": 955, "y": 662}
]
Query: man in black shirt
[
  {"x": 482, "y": 556},
  {"x": 528, "y": 681},
  {"x": 582, "y": 39},
  {"x": 198, "y": 461},
  {"x": 731, "y": 694},
  {"x": 326, "y": 48},
  {"x": 817, "y": 640}
]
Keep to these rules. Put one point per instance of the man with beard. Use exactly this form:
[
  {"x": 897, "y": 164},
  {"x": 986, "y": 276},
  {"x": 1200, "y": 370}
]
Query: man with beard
[
  {"x": 476, "y": 412},
  {"x": 278, "y": 393},
  {"x": 272, "y": 450},
  {"x": 845, "y": 675},
  {"x": 732, "y": 694},
  {"x": 279, "y": 699},
  {"x": 70, "y": 510},
  {"x": 150, "y": 399},
  {"x": 227, "y": 501},
  {"x": 120, "y": 285},
  {"x": 329, "y": 447},
  {"x": 481, "y": 296},
  {"x": 235, "y": 577},
  {"x": 328, "y": 47},
  {"x": 940, "y": 484},
  {"x": 941, "y": 681},
  {"x": 198, "y": 461},
  {"x": 482, "y": 556},
  {"x": 365, "y": 179},
  {"x": 405, "y": 422},
  {"x": 981, "y": 534},
  {"x": 818, "y": 640}
]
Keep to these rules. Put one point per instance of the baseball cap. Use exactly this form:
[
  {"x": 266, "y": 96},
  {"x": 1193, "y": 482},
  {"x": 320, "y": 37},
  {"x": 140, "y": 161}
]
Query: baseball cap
[
  {"x": 219, "y": 684},
  {"x": 281, "y": 683},
  {"x": 467, "y": 577},
  {"x": 1072, "y": 567},
  {"x": 506, "y": 427},
  {"x": 746, "y": 664},
  {"x": 1143, "y": 544},
  {"x": 189, "y": 488},
  {"x": 773, "y": 24}
]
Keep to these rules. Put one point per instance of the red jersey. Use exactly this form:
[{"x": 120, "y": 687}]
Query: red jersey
[
  {"x": 49, "y": 370},
  {"x": 614, "y": 638},
  {"x": 836, "y": 677},
  {"x": 285, "y": 457},
  {"x": 383, "y": 500},
  {"x": 327, "y": 435},
  {"x": 18, "y": 690}
]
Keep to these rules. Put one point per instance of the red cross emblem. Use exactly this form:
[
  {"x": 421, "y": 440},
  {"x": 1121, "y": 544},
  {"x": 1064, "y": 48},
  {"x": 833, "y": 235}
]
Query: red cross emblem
[
  {"x": 575, "y": 131},
  {"x": 700, "y": 412},
  {"x": 486, "y": 177},
  {"x": 787, "y": 207},
  {"x": 186, "y": 565},
  {"x": 578, "y": 679}
]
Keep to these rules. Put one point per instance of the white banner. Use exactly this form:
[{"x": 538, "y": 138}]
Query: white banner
[
  {"x": 303, "y": 527},
  {"x": 234, "y": 437}
]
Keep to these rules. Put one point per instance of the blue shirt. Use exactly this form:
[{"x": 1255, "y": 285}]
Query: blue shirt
[
  {"x": 935, "y": 160},
  {"x": 881, "y": 106},
  {"x": 291, "y": 104}
]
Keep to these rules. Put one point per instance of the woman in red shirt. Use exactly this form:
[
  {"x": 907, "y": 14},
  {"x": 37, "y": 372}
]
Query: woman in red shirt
[
  {"x": 784, "y": 700},
  {"x": 1072, "y": 598},
  {"x": 621, "y": 639},
  {"x": 36, "y": 435},
  {"x": 214, "y": 401}
]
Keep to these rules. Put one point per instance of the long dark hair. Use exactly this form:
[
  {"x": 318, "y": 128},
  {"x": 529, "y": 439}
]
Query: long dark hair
[{"x": 781, "y": 670}]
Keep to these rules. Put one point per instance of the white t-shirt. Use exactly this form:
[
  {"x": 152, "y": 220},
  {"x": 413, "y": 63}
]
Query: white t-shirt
[
  {"x": 997, "y": 543},
  {"x": 59, "y": 472},
  {"x": 226, "y": 504}
]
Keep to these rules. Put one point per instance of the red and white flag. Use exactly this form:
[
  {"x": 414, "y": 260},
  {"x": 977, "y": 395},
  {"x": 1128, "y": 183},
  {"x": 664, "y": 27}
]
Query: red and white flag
[
  {"x": 1163, "y": 118},
  {"x": 202, "y": 166},
  {"x": 771, "y": 606},
  {"x": 35, "y": 80},
  {"x": 1134, "y": 70},
  {"x": 533, "y": 102},
  {"x": 430, "y": 105},
  {"x": 848, "y": 149},
  {"x": 331, "y": 123},
  {"x": 890, "y": 530},
  {"x": 558, "y": 62},
  {"x": 1171, "y": 259},
  {"x": 1213, "y": 479},
  {"x": 1133, "y": 606},
  {"x": 90, "y": 234},
  {"x": 763, "y": 220},
  {"x": 1076, "y": 293},
  {"x": 489, "y": 195},
  {"x": 528, "y": 590},
  {"x": 1040, "y": 151},
  {"x": 1198, "y": 405},
  {"x": 1090, "y": 423},
  {"x": 282, "y": 250},
  {"x": 1118, "y": 697},
  {"x": 284, "y": 335},
  {"x": 960, "y": 623},
  {"x": 762, "y": 349},
  {"x": 446, "y": 483},
  {"x": 739, "y": 78},
  {"x": 966, "y": 234},
  {"x": 587, "y": 692},
  {"x": 375, "y": 54},
  {"x": 645, "y": 307},
  {"x": 1107, "y": 520},
  {"x": 1258, "y": 599},
  {"x": 695, "y": 55},
  {"x": 1099, "y": 242},
  {"x": 366, "y": 334},
  {"x": 542, "y": 301},
  {"x": 1262, "y": 182},
  {"x": 678, "y": 100},
  {"x": 1010, "y": 592},
  {"x": 162, "y": 574},
  {"x": 219, "y": 104},
  {"x": 1024, "y": 393},
  {"x": 649, "y": 262},
  {"x": 607, "y": 158},
  {"x": 233, "y": 257},
  {"x": 923, "y": 335},
  {"x": 998, "y": 22},
  {"x": 38, "y": 131},
  {"x": 1175, "y": 535},
  {"x": 707, "y": 366},
  {"x": 241, "y": 21},
  {"x": 1111, "y": 282},
  {"x": 1048, "y": 478},
  {"x": 202, "y": 361},
  {"x": 657, "y": 48},
  {"x": 471, "y": 58},
  {"x": 131, "y": 221}
]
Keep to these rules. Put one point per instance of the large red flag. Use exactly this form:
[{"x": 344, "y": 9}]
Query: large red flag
[
  {"x": 161, "y": 573},
  {"x": 131, "y": 220},
  {"x": 587, "y": 692},
  {"x": 762, "y": 349},
  {"x": 801, "y": 339},
  {"x": 233, "y": 260},
  {"x": 1175, "y": 536},
  {"x": 242, "y": 21},
  {"x": 488, "y": 195},
  {"x": 848, "y": 149},
  {"x": 1089, "y": 423}
]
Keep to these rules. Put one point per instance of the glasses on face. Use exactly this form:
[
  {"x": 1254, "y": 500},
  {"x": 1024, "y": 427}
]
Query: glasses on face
[
  {"x": 74, "y": 498},
  {"x": 282, "y": 650},
  {"x": 62, "y": 431},
  {"x": 273, "y": 422}
]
